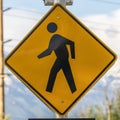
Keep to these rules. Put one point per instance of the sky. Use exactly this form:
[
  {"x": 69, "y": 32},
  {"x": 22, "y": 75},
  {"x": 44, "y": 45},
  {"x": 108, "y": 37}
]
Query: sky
[{"x": 100, "y": 16}]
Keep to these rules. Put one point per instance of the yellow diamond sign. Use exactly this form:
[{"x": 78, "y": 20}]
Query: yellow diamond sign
[{"x": 60, "y": 59}]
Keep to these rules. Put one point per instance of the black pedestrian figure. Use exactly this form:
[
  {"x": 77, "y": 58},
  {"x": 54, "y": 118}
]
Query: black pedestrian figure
[{"x": 58, "y": 45}]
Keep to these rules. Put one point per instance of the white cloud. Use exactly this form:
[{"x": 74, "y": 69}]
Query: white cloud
[
  {"x": 16, "y": 25},
  {"x": 115, "y": 85},
  {"x": 7, "y": 80},
  {"x": 107, "y": 28},
  {"x": 6, "y": 90}
]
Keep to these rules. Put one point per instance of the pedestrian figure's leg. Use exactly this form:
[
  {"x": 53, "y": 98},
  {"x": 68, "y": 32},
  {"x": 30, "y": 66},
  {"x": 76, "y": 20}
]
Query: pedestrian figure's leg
[
  {"x": 68, "y": 74},
  {"x": 53, "y": 73}
]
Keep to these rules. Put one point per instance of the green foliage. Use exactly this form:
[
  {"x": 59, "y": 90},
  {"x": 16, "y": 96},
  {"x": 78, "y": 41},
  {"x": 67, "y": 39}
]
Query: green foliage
[
  {"x": 96, "y": 112},
  {"x": 115, "y": 114},
  {"x": 6, "y": 117},
  {"x": 110, "y": 111}
]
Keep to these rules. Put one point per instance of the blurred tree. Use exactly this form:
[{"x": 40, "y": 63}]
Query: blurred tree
[
  {"x": 108, "y": 108},
  {"x": 116, "y": 107}
]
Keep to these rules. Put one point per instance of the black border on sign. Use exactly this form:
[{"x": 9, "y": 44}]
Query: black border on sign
[{"x": 32, "y": 88}]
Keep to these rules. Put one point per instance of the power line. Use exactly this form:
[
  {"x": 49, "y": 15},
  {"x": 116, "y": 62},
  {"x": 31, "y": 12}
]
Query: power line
[
  {"x": 108, "y": 2},
  {"x": 26, "y": 10},
  {"x": 89, "y": 21},
  {"x": 100, "y": 29},
  {"x": 22, "y": 17},
  {"x": 8, "y": 40},
  {"x": 8, "y": 8}
]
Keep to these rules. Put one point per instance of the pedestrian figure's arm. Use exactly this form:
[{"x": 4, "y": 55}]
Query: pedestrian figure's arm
[
  {"x": 45, "y": 53},
  {"x": 72, "y": 48}
]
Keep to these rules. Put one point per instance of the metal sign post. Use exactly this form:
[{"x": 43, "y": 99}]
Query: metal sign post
[
  {"x": 63, "y": 116},
  {"x": 63, "y": 2}
]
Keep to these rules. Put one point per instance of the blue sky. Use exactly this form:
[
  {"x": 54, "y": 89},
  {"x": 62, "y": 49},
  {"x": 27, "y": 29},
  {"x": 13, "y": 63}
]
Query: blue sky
[
  {"x": 100, "y": 16},
  {"x": 79, "y": 8}
]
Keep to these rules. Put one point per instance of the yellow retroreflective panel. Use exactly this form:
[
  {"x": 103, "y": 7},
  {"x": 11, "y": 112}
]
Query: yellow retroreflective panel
[{"x": 60, "y": 59}]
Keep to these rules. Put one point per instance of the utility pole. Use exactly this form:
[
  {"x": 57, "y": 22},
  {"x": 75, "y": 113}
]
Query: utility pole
[{"x": 1, "y": 65}]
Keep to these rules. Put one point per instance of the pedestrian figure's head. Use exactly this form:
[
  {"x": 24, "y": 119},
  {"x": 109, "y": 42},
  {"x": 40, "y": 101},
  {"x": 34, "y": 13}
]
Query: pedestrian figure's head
[{"x": 52, "y": 27}]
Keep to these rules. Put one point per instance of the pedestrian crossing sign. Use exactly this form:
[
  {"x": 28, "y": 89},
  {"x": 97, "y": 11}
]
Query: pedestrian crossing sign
[{"x": 60, "y": 59}]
